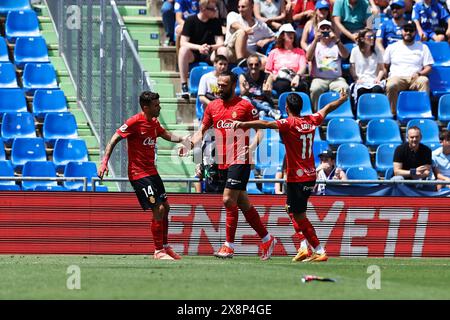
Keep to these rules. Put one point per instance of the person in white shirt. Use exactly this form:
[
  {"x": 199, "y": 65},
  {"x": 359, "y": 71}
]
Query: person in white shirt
[
  {"x": 207, "y": 87},
  {"x": 441, "y": 160},
  {"x": 408, "y": 62},
  {"x": 245, "y": 34}
]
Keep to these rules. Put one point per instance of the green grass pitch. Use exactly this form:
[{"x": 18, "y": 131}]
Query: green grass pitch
[{"x": 209, "y": 278}]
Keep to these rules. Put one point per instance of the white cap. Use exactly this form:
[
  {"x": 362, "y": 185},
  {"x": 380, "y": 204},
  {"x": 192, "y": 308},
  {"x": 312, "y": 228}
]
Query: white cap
[
  {"x": 287, "y": 27},
  {"x": 324, "y": 23}
]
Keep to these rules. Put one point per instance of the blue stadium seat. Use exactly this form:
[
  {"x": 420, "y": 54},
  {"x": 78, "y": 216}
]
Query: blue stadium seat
[
  {"x": 17, "y": 124},
  {"x": 252, "y": 188},
  {"x": 199, "y": 111},
  {"x": 344, "y": 110},
  {"x": 362, "y": 173},
  {"x": 318, "y": 148},
  {"x": 12, "y": 100},
  {"x": 30, "y": 49},
  {"x": 12, "y": 187},
  {"x": 59, "y": 125},
  {"x": 384, "y": 157},
  {"x": 352, "y": 155},
  {"x": 8, "y": 75},
  {"x": 413, "y": 105},
  {"x": 269, "y": 153},
  {"x": 269, "y": 187},
  {"x": 2, "y": 153},
  {"x": 46, "y": 101},
  {"x": 13, "y": 5},
  {"x": 7, "y": 170},
  {"x": 389, "y": 173},
  {"x": 343, "y": 130},
  {"x": 433, "y": 145},
  {"x": 306, "y": 109},
  {"x": 197, "y": 64},
  {"x": 444, "y": 108},
  {"x": 86, "y": 169},
  {"x": 39, "y": 76},
  {"x": 26, "y": 149},
  {"x": 448, "y": 126},
  {"x": 239, "y": 70},
  {"x": 440, "y": 52},
  {"x": 50, "y": 188},
  {"x": 195, "y": 76},
  {"x": 439, "y": 80},
  {"x": 23, "y": 23},
  {"x": 67, "y": 150},
  {"x": 4, "y": 55},
  {"x": 429, "y": 129},
  {"x": 38, "y": 169},
  {"x": 317, "y": 136},
  {"x": 373, "y": 106},
  {"x": 346, "y": 62},
  {"x": 381, "y": 131}
]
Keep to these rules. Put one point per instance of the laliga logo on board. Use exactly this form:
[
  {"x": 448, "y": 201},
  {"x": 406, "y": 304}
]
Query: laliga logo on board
[{"x": 224, "y": 124}]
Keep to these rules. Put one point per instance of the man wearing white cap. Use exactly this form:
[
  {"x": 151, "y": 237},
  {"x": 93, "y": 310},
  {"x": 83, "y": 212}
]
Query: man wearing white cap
[{"x": 325, "y": 53}]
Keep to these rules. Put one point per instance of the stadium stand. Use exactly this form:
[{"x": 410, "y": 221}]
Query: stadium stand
[
  {"x": 194, "y": 78},
  {"x": 440, "y": 52},
  {"x": 439, "y": 81},
  {"x": 67, "y": 150},
  {"x": 30, "y": 49},
  {"x": 2, "y": 153},
  {"x": 343, "y": 130},
  {"x": 362, "y": 173},
  {"x": 7, "y": 170},
  {"x": 13, "y": 5},
  {"x": 344, "y": 111},
  {"x": 352, "y": 155},
  {"x": 38, "y": 169},
  {"x": 444, "y": 108},
  {"x": 429, "y": 129},
  {"x": 4, "y": 55},
  {"x": 23, "y": 23},
  {"x": 381, "y": 131},
  {"x": 17, "y": 124},
  {"x": 27, "y": 149},
  {"x": 269, "y": 187},
  {"x": 12, "y": 100},
  {"x": 384, "y": 157},
  {"x": 8, "y": 75},
  {"x": 59, "y": 125},
  {"x": 413, "y": 105},
  {"x": 39, "y": 76},
  {"x": 46, "y": 101},
  {"x": 373, "y": 106},
  {"x": 81, "y": 169}
]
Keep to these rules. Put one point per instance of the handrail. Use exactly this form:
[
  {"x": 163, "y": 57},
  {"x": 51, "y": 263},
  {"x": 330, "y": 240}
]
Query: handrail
[{"x": 84, "y": 179}]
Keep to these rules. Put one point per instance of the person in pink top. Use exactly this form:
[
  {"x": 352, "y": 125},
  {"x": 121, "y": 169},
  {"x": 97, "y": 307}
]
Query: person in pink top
[
  {"x": 286, "y": 64},
  {"x": 141, "y": 132}
]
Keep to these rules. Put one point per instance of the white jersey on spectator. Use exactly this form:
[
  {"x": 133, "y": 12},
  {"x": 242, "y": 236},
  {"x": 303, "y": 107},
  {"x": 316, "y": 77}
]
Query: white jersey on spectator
[
  {"x": 208, "y": 83},
  {"x": 407, "y": 60}
]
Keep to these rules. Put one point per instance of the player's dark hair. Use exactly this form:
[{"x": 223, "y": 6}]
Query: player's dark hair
[
  {"x": 233, "y": 76},
  {"x": 220, "y": 57},
  {"x": 146, "y": 98},
  {"x": 295, "y": 103}
]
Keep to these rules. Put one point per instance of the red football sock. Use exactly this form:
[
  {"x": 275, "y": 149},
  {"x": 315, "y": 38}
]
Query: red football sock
[
  {"x": 231, "y": 223},
  {"x": 254, "y": 221},
  {"x": 298, "y": 232},
  {"x": 165, "y": 222},
  {"x": 308, "y": 231},
  {"x": 157, "y": 232}
]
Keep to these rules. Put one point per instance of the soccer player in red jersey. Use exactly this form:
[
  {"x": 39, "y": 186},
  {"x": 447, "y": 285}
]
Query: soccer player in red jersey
[
  {"x": 297, "y": 133},
  {"x": 233, "y": 151},
  {"x": 141, "y": 132}
]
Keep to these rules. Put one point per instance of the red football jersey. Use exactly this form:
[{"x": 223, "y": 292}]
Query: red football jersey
[
  {"x": 141, "y": 137},
  {"x": 230, "y": 143},
  {"x": 298, "y": 137}
]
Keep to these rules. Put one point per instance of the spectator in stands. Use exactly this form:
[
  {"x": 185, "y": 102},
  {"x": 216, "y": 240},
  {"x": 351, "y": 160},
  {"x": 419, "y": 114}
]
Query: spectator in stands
[
  {"x": 246, "y": 34},
  {"x": 301, "y": 12},
  {"x": 321, "y": 13},
  {"x": 412, "y": 159},
  {"x": 408, "y": 63},
  {"x": 327, "y": 170},
  {"x": 272, "y": 12},
  {"x": 391, "y": 30},
  {"x": 366, "y": 68},
  {"x": 168, "y": 20},
  {"x": 183, "y": 9},
  {"x": 432, "y": 20},
  {"x": 325, "y": 53},
  {"x": 201, "y": 39},
  {"x": 441, "y": 160},
  {"x": 253, "y": 88},
  {"x": 350, "y": 16},
  {"x": 286, "y": 64},
  {"x": 207, "y": 87}
]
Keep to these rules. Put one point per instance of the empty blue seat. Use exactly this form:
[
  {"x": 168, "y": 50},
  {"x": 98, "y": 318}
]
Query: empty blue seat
[
  {"x": 362, "y": 173},
  {"x": 197, "y": 64},
  {"x": 4, "y": 56},
  {"x": 317, "y": 136},
  {"x": 444, "y": 108},
  {"x": 373, "y": 106},
  {"x": 12, "y": 187},
  {"x": 389, "y": 173},
  {"x": 269, "y": 153},
  {"x": 39, "y": 76},
  {"x": 59, "y": 125},
  {"x": 344, "y": 110},
  {"x": 86, "y": 169},
  {"x": 30, "y": 49},
  {"x": 17, "y": 124},
  {"x": 439, "y": 80},
  {"x": 269, "y": 187},
  {"x": 2, "y": 153},
  {"x": 413, "y": 105},
  {"x": 195, "y": 76},
  {"x": 318, "y": 148},
  {"x": 38, "y": 169},
  {"x": 6, "y": 170},
  {"x": 440, "y": 52},
  {"x": 27, "y": 149},
  {"x": 352, "y": 155},
  {"x": 23, "y": 23},
  {"x": 46, "y": 101},
  {"x": 239, "y": 70},
  {"x": 13, "y": 5},
  {"x": 49, "y": 188},
  {"x": 8, "y": 75},
  {"x": 306, "y": 108},
  {"x": 252, "y": 188},
  {"x": 381, "y": 131},
  {"x": 428, "y": 128},
  {"x": 384, "y": 157},
  {"x": 67, "y": 150},
  {"x": 12, "y": 100},
  {"x": 343, "y": 130}
]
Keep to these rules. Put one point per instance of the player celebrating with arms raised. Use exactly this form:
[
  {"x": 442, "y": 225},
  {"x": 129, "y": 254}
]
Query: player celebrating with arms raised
[
  {"x": 233, "y": 150},
  {"x": 297, "y": 133},
  {"x": 141, "y": 132}
]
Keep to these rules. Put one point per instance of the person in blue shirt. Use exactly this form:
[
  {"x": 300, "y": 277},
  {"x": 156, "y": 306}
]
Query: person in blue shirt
[
  {"x": 430, "y": 18},
  {"x": 184, "y": 9},
  {"x": 391, "y": 30},
  {"x": 168, "y": 19}
]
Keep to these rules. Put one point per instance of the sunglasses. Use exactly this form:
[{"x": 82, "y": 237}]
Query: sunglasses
[
  {"x": 409, "y": 30},
  {"x": 211, "y": 9}
]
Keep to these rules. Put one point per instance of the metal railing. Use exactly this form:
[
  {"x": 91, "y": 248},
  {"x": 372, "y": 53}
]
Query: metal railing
[{"x": 83, "y": 179}]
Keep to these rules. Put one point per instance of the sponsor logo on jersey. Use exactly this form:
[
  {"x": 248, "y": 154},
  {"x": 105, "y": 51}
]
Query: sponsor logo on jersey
[
  {"x": 254, "y": 111},
  {"x": 224, "y": 124},
  {"x": 123, "y": 128},
  {"x": 149, "y": 142}
]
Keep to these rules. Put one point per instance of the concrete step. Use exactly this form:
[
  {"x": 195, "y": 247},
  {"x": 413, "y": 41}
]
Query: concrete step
[{"x": 167, "y": 56}]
